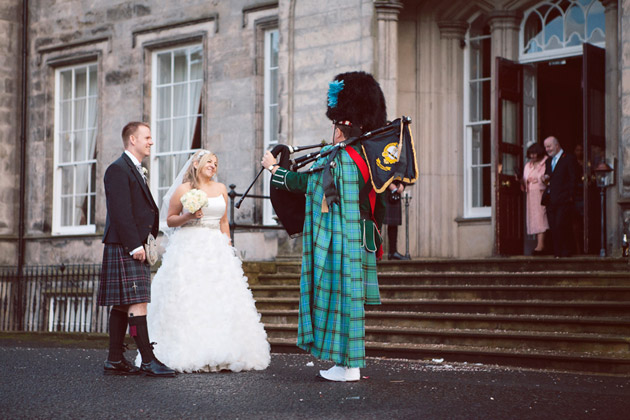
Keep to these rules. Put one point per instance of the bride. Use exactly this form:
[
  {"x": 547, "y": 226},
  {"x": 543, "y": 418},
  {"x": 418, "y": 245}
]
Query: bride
[{"x": 202, "y": 313}]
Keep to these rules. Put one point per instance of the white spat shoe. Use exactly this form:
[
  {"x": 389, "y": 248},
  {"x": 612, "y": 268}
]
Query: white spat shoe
[{"x": 341, "y": 374}]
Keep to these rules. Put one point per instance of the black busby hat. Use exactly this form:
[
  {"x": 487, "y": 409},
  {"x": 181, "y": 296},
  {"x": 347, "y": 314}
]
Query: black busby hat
[{"x": 356, "y": 99}]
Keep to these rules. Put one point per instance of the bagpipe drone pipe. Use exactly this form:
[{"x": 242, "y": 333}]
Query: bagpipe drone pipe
[{"x": 390, "y": 153}]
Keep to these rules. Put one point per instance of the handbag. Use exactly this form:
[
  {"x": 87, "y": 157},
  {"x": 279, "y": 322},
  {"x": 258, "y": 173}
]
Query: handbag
[
  {"x": 546, "y": 197},
  {"x": 150, "y": 249}
]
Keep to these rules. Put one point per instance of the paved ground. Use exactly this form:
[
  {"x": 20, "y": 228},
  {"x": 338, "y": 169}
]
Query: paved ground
[{"x": 37, "y": 381}]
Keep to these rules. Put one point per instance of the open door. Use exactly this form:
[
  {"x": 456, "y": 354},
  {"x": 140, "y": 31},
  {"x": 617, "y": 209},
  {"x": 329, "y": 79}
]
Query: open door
[
  {"x": 509, "y": 148},
  {"x": 594, "y": 142}
]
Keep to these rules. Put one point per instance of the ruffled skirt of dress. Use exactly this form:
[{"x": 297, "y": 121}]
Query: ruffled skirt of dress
[{"x": 202, "y": 314}]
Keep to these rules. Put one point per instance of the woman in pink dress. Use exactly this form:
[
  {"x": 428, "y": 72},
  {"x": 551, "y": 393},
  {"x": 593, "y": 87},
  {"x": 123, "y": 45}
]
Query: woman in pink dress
[{"x": 537, "y": 223}]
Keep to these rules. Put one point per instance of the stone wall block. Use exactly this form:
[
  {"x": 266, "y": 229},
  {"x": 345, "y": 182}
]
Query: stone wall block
[
  {"x": 314, "y": 38},
  {"x": 625, "y": 82}
]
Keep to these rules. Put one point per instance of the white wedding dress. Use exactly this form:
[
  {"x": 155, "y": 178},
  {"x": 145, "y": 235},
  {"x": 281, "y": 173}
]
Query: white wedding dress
[{"x": 202, "y": 314}]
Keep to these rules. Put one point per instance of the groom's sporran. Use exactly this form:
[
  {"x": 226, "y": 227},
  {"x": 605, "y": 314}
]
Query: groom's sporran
[{"x": 151, "y": 250}]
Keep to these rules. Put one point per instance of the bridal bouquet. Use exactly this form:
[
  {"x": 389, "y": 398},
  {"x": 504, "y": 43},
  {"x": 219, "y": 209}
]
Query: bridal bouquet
[{"x": 194, "y": 199}]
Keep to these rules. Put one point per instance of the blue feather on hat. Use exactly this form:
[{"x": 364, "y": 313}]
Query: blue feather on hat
[{"x": 334, "y": 88}]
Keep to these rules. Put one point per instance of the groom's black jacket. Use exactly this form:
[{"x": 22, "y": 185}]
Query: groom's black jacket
[{"x": 131, "y": 212}]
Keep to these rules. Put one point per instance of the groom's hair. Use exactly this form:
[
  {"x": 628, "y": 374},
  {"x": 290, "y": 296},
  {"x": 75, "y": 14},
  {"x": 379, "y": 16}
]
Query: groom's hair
[{"x": 130, "y": 129}]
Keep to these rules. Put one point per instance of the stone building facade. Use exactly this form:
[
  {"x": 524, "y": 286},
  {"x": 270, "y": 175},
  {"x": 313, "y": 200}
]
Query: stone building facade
[
  {"x": 238, "y": 76},
  {"x": 10, "y": 80}
]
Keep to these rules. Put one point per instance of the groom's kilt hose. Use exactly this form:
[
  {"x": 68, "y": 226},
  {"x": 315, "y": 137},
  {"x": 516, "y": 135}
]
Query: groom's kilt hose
[{"x": 124, "y": 281}]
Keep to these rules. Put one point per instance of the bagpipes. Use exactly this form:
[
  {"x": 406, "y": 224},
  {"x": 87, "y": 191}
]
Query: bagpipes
[
  {"x": 390, "y": 153},
  {"x": 289, "y": 206}
]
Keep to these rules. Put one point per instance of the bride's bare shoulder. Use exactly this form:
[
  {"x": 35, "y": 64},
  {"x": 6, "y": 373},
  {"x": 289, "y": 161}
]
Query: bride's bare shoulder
[
  {"x": 218, "y": 188},
  {"x": 221, "y": 187},
  {"x": 182, "y": 189}
]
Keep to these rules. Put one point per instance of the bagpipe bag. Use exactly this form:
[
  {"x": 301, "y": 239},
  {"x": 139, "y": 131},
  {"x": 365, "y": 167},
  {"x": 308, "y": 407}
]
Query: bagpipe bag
[{"x": 289, "y": 206}]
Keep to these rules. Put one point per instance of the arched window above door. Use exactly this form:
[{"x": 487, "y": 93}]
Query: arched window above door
[{"x": 558, "y": 28}]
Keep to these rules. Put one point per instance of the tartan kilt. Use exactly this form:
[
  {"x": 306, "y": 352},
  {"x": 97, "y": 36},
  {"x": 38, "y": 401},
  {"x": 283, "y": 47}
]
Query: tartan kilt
[
  {"x": 393, "y": 213},
  {"x": 124, "y": 281}
]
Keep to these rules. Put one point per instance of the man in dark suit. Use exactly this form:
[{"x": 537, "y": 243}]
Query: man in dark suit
[
  {"x": 126, "y": 276},
  {"x": 560, "y": 176}
]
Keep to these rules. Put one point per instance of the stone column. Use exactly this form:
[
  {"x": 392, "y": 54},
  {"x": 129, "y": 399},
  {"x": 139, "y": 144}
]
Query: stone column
[
  {"x": 614, "y": 150},
  {"x": 446, "y": 149},
  {"x": 387, "y": 51},
  {"x": 504, "y": 27},
  {"x": 10, "y": 82}
]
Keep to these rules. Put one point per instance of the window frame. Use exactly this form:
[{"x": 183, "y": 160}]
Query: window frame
[
  {"x": 155, "y": 155},
  {"x": 268, "y": 211},
  {"x": 470, "y": 211},
  {"x": 57, "y": 216},
  {"x": 564, "y": 51}
]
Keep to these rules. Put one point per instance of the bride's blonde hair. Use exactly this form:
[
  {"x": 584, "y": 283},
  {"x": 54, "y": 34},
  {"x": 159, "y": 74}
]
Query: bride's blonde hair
[{"x": 201, "y": 157}]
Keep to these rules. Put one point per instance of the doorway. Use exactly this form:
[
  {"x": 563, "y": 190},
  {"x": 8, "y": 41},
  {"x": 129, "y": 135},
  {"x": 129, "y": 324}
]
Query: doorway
[
  {"x": 565, "y": 95},
  {"x": 560, "y": 101},
  {"x": 560, "y": 114},
  {"x": 563, "y": 98}
]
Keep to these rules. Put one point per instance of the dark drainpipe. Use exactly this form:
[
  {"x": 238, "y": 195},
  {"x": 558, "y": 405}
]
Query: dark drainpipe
[{"x": 22, "y": 210}]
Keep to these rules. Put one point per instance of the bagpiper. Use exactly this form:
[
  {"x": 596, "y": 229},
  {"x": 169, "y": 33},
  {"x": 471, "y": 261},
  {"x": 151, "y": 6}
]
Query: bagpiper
[{"x": 341, "y": 232}]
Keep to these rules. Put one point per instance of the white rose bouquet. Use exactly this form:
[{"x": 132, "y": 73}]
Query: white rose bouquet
[{"x": 194, "y": 199}]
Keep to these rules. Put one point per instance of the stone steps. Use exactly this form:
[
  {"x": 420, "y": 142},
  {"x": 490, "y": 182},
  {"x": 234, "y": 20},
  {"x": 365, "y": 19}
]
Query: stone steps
[
  {"x": 511, "y": 292},
  {"x": 513, "y": 265},
  {"x": 571, "y": 314},
  {"x": 587, "y": 343},
  {"x": 503, "y": 307},
  {"x": 455, "y": 321},
  {"x": 478, "y": 278}
]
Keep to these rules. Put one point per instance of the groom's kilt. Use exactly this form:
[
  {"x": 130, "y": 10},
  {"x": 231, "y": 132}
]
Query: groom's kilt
[{"x": 123, "y": 280}]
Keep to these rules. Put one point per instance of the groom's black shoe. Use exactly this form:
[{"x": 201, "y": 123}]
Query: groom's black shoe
[
  {"x": 123, "y": 367},
  {"x": 157, "y": 369}
]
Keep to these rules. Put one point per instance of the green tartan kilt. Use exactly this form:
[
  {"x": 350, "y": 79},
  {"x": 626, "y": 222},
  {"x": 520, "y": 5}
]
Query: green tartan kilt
[{"x": 338, "y": 274}]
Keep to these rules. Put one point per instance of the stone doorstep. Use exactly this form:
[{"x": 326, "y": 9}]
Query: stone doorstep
[
  {"x": 456, "y": 321},
  {"x": 420, "y": 303},
  {"x": 599, "y": 278},
  {"x": 463, "y": 316},
  {"x": 480, "y": 292},
  {"x": 475, "y": 274},
  {"x": 524, "y": 287},
  {"x": 515, "y": 264},
  {"x": 542, "y": 336}
]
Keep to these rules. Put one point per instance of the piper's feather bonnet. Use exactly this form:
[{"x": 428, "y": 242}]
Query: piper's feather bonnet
[{"x": 358, "y": 98}]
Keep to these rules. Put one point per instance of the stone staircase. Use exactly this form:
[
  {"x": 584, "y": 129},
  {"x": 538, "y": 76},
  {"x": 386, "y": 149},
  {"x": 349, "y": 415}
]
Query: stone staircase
[{"x": 567, "y": 314}]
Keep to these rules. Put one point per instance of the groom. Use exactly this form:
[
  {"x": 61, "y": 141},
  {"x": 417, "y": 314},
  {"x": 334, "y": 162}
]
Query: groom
[{"x": 125, "y": 275}]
